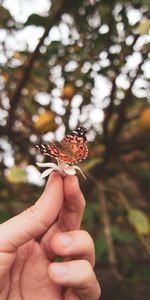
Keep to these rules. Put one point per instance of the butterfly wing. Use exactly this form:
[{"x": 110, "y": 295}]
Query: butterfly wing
[
  {"x": 71, "y": 149},
  {"x": 75, "y": 149},
  {"x": 48, "y": 149}
]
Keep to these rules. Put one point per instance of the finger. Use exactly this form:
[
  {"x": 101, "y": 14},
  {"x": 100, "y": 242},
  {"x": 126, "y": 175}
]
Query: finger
[
  {"x": 73, "y": 207},
  {"x": 75, "y": 244},
  {"x": 70, "y": 214},
  {"x": 77, "y": 274},
  {"x": 35, "y": 220}
]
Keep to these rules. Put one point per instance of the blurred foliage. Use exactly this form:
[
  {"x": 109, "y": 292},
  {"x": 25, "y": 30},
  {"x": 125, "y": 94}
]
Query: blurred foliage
[
  {"x": 16, "y": 175},
  {"x": 139, "y": 220},
  {"x": 89, "y": 67}
]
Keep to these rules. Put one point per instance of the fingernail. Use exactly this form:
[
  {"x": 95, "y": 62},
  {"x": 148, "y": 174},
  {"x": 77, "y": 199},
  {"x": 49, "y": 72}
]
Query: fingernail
[
  {"x": 58, "y": 269},
  {"x": 65, "y": 239}
]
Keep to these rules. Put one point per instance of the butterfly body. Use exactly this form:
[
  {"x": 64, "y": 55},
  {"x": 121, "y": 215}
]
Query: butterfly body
[{"x": 71, "y": 149}]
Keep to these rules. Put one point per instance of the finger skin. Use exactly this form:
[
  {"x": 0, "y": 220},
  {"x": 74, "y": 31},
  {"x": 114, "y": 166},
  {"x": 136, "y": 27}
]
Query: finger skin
[
  {"x": 72, "y": 211},
  {"x": 35, "y": 220},
  {"x": 76, "y": 274},
  {"x": 77, "y": 243},
  {"x": 70, "y": 214}
]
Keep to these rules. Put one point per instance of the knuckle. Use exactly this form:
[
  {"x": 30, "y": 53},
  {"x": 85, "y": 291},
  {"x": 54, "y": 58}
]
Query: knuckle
[{"x": 32, "y": 213}]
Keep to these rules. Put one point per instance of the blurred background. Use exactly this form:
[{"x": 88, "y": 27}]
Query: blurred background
[{"x": 69, "y": 63}]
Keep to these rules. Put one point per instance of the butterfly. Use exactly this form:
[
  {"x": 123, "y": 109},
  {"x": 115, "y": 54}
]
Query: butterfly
[{"x": 71, "y": 149}]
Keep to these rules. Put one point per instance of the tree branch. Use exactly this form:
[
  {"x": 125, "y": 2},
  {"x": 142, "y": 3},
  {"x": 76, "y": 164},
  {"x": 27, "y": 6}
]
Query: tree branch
[
  {"x": 122, "y": 108},
  {"x": 17, "y": 95},
  {"x": 106, "y": 226}
]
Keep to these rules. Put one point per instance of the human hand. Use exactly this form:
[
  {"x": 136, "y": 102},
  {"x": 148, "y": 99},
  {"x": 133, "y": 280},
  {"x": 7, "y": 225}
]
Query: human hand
[{"x": 31, "y": 241}]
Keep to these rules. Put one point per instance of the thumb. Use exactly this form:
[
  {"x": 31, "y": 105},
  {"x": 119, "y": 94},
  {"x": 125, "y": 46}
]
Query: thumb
[{"x": 36, "y": 219}]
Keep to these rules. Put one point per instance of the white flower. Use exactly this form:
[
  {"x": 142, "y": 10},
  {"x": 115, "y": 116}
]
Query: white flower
[{"x": 61, "y": 167}]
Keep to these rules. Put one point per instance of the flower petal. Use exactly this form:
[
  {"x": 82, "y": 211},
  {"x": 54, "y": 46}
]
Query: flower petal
[
  {"x": 70, "y": 170},
  {"x": 47, "y": 172},
  {"x": 45, "y": 165},
  {"x": 79, "y": 169}
]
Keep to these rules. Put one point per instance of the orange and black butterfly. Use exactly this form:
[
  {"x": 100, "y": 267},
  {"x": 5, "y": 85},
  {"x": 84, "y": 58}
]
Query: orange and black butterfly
[{"x": 71, "y": 149}]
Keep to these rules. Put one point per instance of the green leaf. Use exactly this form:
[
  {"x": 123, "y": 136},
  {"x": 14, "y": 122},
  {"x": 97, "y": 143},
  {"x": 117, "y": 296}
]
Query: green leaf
[
  {"x": 36, "y": 20},
  {"x": 144, "y": 27},
  {"x": 139, "y": 221},
  {"x": 17, "y": 175}
]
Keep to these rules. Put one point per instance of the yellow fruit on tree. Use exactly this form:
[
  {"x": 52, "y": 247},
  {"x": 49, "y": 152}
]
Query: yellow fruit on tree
[
  {"x": 68, "y": 91},
  {"x": 46, "y": 122},
  {"x": 145, "y": 119}
]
